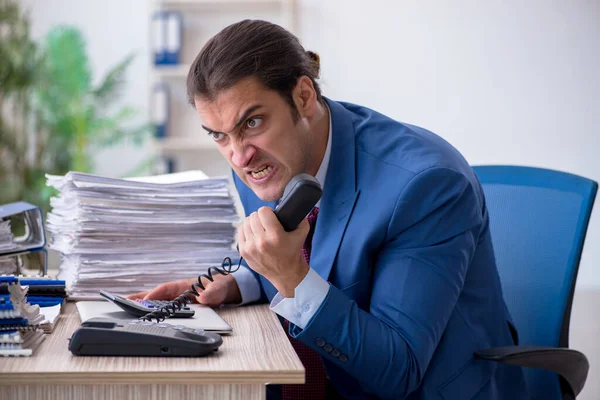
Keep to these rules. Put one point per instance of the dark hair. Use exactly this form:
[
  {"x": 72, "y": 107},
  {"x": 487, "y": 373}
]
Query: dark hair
[{"x": 252, "y": 48}]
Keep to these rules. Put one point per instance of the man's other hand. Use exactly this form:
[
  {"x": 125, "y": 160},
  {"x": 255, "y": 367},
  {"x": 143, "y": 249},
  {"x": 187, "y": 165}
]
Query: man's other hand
[{"x": 223, "y": 290}]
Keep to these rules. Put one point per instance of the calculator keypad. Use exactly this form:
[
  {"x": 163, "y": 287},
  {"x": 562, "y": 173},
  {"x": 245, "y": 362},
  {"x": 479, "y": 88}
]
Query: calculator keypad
[{"x": 156, "y": 303}]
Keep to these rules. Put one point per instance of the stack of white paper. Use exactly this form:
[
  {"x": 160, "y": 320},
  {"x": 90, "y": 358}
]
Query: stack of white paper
[
  {"x": 6, "y": 236},
  {"x": 126, "y": 235}
]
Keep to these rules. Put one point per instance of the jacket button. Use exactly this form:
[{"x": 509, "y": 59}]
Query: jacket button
[
  {"x": 335, "y": 353},
  {"x": 320, "y": 342},
  {"x": 328, "y": 347},
  {"x": 343, "y": 358}
]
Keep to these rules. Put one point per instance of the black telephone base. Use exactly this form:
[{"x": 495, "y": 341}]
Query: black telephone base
[{"x": 108, "y": 337}]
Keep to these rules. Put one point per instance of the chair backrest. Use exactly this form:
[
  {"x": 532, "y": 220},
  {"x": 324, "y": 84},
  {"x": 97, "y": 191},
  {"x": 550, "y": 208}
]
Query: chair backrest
[{"x": 538, "y": 222}]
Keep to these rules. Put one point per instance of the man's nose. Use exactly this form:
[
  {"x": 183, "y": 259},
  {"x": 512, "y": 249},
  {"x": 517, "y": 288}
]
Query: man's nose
[{"x": 242, "y": 153}]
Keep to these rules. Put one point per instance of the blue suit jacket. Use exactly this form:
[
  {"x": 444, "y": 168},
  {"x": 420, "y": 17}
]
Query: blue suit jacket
[{"x": 403, "y": 238}]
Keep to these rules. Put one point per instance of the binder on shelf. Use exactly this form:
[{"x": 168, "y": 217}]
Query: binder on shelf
[
  {"x": 159, "y": 44},
  {"x": 167, "y": 29},
  {"x": 171, "y": 165},
  {"x": 174, "y": 34},
  {"x": 164, "y": 165},
  {"x": 21, "y": 228},
  {"x": 160, "y": 109}
]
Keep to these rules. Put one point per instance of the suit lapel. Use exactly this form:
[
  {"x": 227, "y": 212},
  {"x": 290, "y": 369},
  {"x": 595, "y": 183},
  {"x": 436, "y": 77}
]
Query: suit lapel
[{"x": 339, "y": 192}]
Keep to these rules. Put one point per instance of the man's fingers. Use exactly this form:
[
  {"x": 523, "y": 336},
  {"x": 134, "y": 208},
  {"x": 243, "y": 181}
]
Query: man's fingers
[
  {"x": 269, "y": 220},
  {"x": 134, "y": 296},
  {"x": 247, "y": 233},
  {"x": 241, "y": 238},
  {"x": 206, "y": 297},
  {"x": 212, "y": 296},
  {"x": 160, "y": 292},
  {"x": 258, "y": 230},
  {"x": 304, "y": 227},
  {"x": 151, "y": 296}
]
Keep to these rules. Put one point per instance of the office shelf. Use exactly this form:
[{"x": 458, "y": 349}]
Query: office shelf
[
  {"x": 171, "y": 71},
  {"x": 216, "y": 3},
  {"x": 183, "y": 143}
]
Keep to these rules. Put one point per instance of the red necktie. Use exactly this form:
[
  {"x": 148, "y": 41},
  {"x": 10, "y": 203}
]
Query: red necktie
[{"x": 314, "y": 387}]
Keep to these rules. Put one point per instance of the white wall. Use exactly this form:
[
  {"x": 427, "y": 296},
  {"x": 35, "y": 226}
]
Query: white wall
[{"x": 514, "y": 82}]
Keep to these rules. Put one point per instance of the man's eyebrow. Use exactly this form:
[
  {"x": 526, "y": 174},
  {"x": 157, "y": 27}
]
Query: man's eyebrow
[{"x": 240, "y": 120}]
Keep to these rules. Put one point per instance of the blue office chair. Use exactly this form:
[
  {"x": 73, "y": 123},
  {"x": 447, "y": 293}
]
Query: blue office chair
[{"x": 538, "y": 221}]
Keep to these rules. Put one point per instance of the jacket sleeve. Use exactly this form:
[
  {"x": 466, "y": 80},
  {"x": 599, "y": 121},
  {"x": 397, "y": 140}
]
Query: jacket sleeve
[{"x": 430, "y": 240}]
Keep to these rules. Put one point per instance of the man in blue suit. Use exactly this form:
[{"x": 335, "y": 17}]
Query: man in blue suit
[{"x": 400, "y": 287}]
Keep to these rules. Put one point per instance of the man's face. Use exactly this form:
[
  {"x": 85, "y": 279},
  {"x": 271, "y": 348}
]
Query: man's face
[{"x": 254, "y": 130}]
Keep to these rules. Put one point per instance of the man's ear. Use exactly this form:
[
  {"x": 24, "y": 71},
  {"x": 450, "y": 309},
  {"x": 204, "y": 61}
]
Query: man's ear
[{"x": 305, "y": 97}]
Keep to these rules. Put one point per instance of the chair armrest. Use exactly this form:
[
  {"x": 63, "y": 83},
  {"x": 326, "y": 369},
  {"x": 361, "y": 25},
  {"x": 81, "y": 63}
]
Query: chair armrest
[{"x": 571, "y": 365}]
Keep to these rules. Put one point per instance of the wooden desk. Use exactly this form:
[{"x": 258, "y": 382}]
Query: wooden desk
[{"x": 256, "y": 353}]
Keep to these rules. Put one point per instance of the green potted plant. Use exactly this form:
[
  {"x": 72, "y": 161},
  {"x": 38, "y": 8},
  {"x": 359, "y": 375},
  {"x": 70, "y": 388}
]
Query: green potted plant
[
  {"x": 52, "y": 117},
  {"x": 22, "y": 164},
  {"x": 75, "y": 111}
]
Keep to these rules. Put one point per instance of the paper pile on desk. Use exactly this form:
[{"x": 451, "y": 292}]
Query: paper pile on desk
[{"x": 126, "y": 235}]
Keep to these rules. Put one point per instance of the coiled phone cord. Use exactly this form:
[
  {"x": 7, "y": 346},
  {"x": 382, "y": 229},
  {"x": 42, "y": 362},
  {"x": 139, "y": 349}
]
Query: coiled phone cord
[{"x": 186, "y": 298}]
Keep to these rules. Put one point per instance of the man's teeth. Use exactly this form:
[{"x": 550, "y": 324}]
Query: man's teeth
[{"x": 262, "y": 173}]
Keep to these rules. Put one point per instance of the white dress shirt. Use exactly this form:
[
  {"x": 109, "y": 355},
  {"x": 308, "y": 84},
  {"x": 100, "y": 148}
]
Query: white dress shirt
[{"x": 310, "y": 293}]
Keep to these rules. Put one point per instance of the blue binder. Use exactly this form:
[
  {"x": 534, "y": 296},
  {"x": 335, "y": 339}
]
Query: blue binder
[
  {"x": 160, "y": 109},
  {"x": 171, "y": 165},
  {"x": 159, "y": 44},
  {"x": 167, "y": 28}
]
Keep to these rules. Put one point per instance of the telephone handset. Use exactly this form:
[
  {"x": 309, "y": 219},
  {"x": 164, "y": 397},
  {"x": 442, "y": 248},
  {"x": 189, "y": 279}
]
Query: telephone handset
[
  {"x": 301, "y": 194},
  {"x": 299, "y": 198}
]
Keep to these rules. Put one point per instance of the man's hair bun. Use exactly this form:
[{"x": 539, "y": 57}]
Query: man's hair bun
[{"x": 316, "y": 59}]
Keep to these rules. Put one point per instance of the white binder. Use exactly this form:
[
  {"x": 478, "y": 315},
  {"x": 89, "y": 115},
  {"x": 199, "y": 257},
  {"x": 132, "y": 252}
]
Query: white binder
[
  {"x": 174, "y": 32},
  {"x": 167, "y": 33},
  {"x": 159, "y": 45},
  {"x": 160, "y": 109}
]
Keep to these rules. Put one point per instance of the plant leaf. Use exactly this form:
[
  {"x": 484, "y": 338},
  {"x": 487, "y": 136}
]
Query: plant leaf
[
  {"x": 111, "y": 87},
  {"x": 67, "y": 65}
]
